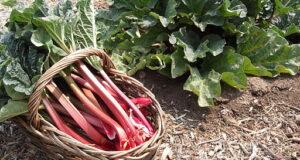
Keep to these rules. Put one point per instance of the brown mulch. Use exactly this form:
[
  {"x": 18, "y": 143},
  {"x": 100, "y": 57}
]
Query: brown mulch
[{"x": 259, "y": 123}]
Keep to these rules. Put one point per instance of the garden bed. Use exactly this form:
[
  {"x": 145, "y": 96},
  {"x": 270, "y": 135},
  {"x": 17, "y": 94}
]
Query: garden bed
[
  {"x": 261, "y": 122},
  {"x": 255, "y": 123}
]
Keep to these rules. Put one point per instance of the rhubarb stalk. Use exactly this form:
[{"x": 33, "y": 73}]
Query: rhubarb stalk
[
  {"x": 77, "y": 116},
  {"x": 110, "y": 101},
  {"x": 98, "y": 113},
  {"x": 136, "y": 111}
]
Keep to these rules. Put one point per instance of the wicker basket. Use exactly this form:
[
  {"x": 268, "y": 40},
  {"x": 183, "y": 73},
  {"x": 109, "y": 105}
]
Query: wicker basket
[{"x": 60, "y": 145}]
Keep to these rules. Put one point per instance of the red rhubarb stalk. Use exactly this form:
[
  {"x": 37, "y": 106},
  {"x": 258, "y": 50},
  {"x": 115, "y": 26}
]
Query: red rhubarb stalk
[
  {"x": 110, "y": 101},
  {"x": 87, "y": 85},
  {"x": 111, "y": 134},
  {"x": 109, "y": 131},
  {"x": 142, "y": 101},
  {"x": 59, "y": 123},
  {"x": 77, "y": 116},
  {"x": 89, "y": 94},
  {"x": 90, "y": 118},
  {"x": 98, "y": 113},
  {"x": 107, "y": 86},
  {"x": 136, "y": 111},
  {"x": 82, "y": 82}
]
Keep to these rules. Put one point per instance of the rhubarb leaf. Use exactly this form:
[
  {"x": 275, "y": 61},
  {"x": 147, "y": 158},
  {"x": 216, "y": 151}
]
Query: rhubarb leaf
[
  {"x": 231, "y": 66},
  {"x": 251, "y": 69},
  {"x": 168, "y": 12},
  {"x": 233, "y": 8},
  {"x": 268, "y": 50},
  {"x": 179, "y": 64},
  {"x": 288, "y": 24},
  {"x": 286, "y": 6},
  {"x": 22, "y": 63},
  {"x": 194, "y": 47},
  {"x": 207, "y": 87},
  {"x": 12, "y": 109}
]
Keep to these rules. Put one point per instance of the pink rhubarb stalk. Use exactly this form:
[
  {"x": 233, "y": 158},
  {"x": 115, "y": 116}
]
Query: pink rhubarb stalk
[
  {"x": 90, "y": 118},
  {"x": 111, "y": 134},
  {"x": 142, "y": 101},
  {"x": 97, "y": 112},
  {"x": 59, "y": 123},
  {"x": 110, "y": 101},
  {"x": 77, "y": 116},
  {"x": 135, "y": 109},
  {"x": 82, "y": 82}
]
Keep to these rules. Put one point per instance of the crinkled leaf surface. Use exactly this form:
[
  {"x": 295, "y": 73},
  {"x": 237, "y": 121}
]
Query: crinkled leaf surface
[
  {"x": 230, "y": 65},
  {"x": 251, "y": 69},
  {"x": 179, "y": 64},
  {"x": 232, "y": 8},
  {"x": 268, "y": 50},
  {"x": 12, "y": 109},
  {"x": 195, "y": 6},
  {"x": 195, "y": 47},
  {"x": 167, "y": 13},
  {"x": 286, "y": 6},
  {"x": 22, "y": 63},
  {"x": 288, "y": 23},
  {"x": 254, "y": 7},
  {"x": 207, "y": 87}
]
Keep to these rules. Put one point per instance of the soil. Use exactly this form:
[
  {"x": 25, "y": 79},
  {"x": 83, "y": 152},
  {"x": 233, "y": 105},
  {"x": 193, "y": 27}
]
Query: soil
[{"x": 262, "y": 122}]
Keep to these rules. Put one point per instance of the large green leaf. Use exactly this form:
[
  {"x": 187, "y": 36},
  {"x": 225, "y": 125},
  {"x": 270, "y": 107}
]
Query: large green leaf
[
  {"x": 22, "y": 63},
  {"x": 12, "y": 109},
  {"x": 194, "y": 47},
  {"x": 206, "y": 87},
  {"x": 254, "y": 7},
  {"x": 208, "y": 15},
  {"x": 251, "y": 69},
  {"x": 211, "y": 43},
  {"x": 167, "y": 13},
  {"x": 231, "y": 66},
  {"x": 179, "y": 64},
  {"x": 56, "y": 28},
  {"x": 16, "y": 81},
  {"x": 40, "y": 37},
  {"x": 195, "y": 6},
  {"x": 134, "y": 4},
  {"x": 20, "y": 18},
  {"x": 189, "y": 41},
  {"x": 286, "y": 6},
  {"x": 154, "y": 36},
  {"x": 85, "y": 30},
  {"x": 288, "y": 24},
  {"x": 268, "y": 50},
  {"x": 232, "y": 8}
]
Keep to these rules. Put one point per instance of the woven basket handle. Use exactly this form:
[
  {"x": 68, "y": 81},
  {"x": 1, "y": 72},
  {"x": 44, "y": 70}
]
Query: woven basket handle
[{"x": 36, "y": 96}]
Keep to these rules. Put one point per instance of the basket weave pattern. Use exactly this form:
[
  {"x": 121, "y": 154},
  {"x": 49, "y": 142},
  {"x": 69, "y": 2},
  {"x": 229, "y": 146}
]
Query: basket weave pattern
[{"x": 60, "y": 145}]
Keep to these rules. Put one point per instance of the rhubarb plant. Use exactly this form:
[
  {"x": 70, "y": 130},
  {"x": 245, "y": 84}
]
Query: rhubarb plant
[{"x": 208, "y": 42}]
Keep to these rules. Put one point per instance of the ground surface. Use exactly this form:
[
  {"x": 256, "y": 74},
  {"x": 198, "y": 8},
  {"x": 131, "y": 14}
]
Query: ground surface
[
  {"x": 259, "y": 123},
  {"x": 262, "y": 122}
]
